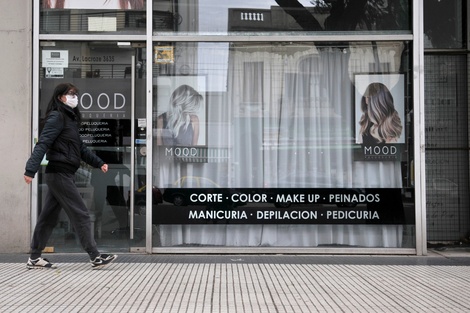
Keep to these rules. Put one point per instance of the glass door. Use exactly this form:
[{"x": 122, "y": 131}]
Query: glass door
[{"x": 110, "y": 77}]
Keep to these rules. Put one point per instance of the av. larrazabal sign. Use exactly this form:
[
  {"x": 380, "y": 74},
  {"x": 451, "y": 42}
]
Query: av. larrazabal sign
[{"x": 283, "y": 206}]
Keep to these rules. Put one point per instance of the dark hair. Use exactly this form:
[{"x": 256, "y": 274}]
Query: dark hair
[{"x": 56, "y": 105}]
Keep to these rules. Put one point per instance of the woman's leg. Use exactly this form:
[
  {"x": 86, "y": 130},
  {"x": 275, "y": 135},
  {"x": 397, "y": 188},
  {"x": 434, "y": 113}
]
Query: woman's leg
[
  {"x": 47, "y": 220},
  {"x": 66, "y": 193}
]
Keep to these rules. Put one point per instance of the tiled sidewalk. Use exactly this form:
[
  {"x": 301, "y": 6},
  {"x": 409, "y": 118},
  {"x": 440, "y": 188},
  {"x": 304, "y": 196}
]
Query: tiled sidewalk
[{"x": 239, "y": 283}]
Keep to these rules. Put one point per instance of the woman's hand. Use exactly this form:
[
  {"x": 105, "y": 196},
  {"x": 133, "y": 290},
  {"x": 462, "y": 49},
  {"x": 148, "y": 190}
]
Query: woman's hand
[
  {"x": 28, "y": 179},
  {"x": 104, "y": 168}
]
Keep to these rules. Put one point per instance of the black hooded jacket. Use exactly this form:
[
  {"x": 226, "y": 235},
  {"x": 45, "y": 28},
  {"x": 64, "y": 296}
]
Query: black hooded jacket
[{"x": 60, "y": 139}]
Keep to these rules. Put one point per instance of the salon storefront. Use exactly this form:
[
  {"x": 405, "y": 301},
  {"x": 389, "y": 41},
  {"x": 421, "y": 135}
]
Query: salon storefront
[{"x": 261, "y": 127}]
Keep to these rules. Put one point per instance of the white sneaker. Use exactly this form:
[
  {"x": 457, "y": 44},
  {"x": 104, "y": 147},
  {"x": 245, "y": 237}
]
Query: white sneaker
[
  {"x": 39, "y": 263},
  {"x": 102, "y": 260}
]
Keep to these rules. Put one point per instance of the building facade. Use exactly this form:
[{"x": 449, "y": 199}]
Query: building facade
[{"x": 275, "y": 127}]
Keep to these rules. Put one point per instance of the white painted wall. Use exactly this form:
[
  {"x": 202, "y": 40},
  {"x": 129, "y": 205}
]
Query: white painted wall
[{"x": 15, "y": 124}]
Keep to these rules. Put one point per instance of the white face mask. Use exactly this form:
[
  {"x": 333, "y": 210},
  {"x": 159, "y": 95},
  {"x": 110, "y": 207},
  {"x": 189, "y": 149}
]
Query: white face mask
[{"x": 72, "y": 101}]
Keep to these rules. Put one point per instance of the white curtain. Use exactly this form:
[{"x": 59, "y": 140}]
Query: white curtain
[{"x": 290, "y": 112}]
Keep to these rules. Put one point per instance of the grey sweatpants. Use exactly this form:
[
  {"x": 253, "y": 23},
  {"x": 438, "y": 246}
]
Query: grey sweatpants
[{"x": 64, "y": 194}]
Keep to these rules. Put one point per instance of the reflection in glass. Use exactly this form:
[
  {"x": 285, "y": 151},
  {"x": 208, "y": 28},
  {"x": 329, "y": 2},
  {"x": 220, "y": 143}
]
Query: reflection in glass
[
  {"x": 443, "y": 24},
  {"x": 281, "y": 116},
  {"x": 102, "y": 73},
  {"x": 223, "y": 17},
  {"x": 277, "y": 16},
  {"x": 95, "y": 16}
]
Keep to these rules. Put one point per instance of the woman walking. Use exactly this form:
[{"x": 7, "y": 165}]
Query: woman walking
[{"x": 60, "y": 141}]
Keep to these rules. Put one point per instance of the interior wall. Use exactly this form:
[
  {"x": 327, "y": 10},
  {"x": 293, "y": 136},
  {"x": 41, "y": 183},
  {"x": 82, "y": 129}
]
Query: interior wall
[{"x": 15, "y": 124}]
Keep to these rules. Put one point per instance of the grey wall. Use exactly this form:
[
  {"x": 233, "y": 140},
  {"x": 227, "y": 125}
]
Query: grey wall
[{"x": 15, "y": 124}]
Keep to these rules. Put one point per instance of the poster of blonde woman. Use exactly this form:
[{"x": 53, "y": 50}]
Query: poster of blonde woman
[
  {"x": 94, "y": 4},
  {"x": 380, "y": 114},
  {"x": 181, "y": 111}
]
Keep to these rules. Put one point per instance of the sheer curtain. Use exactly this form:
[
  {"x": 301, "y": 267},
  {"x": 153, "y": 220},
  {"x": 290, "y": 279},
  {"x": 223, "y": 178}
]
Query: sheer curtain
[{"x": 291, "y": 116}]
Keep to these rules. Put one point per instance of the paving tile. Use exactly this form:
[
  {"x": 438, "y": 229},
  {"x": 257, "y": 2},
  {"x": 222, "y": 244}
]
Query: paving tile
[{"x": 155, "y": 283}]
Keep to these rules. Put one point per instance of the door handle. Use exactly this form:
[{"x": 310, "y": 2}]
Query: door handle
[{"x": 132, "y": 184}]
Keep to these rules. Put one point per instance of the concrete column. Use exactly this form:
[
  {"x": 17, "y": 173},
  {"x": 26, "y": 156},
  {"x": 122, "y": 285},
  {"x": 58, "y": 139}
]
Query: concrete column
[{"x": 15, "y": 124}]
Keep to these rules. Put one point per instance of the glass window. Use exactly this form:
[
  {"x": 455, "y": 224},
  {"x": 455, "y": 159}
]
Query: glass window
[
  {"x": 283, "y": 144},
  {"x": 446, "y": 113},
  {"x": 270, "y": 16},
  {"x": 443, "y": 24},
  {"x": 101, "y": 71},
  {"x": 92, "y": 16}
]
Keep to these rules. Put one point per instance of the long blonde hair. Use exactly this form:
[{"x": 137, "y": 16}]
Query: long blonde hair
[
  {"x": 379, "y": 118},
  {"x": 184, "y": 102}
]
